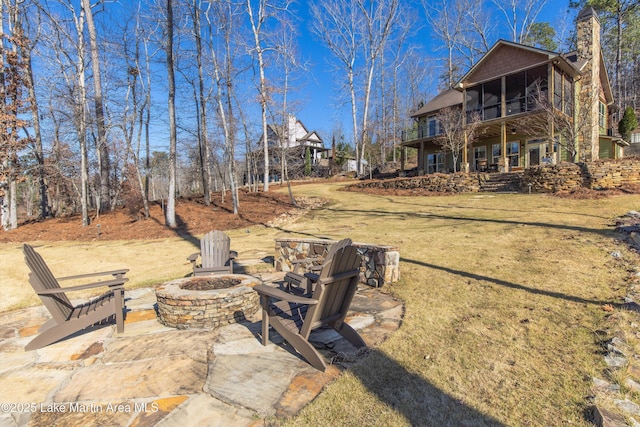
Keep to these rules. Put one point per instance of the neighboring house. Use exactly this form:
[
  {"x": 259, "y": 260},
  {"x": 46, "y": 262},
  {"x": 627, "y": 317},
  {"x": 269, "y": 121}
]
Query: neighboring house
[
  {"x": 291, "y": 140},
  {"x": 499, "y": 94}
]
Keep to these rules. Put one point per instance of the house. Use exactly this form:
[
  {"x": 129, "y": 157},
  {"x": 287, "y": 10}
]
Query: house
[
  {"x": 290, "y": 141},
  {"x": 517, "y": 98}
]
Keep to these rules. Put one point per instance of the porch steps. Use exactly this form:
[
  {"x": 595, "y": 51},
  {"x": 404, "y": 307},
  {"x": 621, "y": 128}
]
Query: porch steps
[{"x": 500, "y": 182}]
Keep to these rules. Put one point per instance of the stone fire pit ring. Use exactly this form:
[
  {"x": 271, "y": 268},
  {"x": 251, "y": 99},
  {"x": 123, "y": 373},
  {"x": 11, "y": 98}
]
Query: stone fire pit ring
[{"x": 207, "y": 301}]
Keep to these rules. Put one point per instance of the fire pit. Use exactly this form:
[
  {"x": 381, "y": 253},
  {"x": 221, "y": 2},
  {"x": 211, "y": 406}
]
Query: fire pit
[{"x": 207, "y": 302}]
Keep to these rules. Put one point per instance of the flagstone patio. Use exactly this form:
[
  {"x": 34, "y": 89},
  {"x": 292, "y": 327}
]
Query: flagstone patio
[{"x": 156, "y": 375}]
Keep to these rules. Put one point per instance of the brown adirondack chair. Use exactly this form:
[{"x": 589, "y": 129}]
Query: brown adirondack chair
[
  {"x": 295, "y": 316},
  {"x": 298, "y": 282},
  {"x": 215, "y": 256},
  {"x": 68, "y": 319}
]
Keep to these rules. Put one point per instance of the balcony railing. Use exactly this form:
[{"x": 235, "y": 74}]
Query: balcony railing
[{"x": 421, "y": 132}]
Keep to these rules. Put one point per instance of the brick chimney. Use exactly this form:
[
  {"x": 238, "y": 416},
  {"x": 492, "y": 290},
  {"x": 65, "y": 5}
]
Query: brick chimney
[{"x": 590, "y": 51}]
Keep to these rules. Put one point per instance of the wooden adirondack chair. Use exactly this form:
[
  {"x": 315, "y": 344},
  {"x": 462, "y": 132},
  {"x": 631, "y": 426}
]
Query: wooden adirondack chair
[
  {"x": 299, "y": 282},
  {"x": 67, "y": 318},
  {"x": 215, "y": 256},
  {"x": 295, "y": 316}
]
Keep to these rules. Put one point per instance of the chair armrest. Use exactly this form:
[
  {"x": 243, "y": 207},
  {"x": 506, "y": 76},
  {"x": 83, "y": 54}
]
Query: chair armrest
[
  {"x": 306, "y": 260},
  {"x": 115, "y": 273},
  {"x": 193, "y": 257},
  {"x": 312, "y": 276},
  {"x": 340, "y": 276},
  {"x": 113, "y": 284},
  {"x": 284, "y": 296}
]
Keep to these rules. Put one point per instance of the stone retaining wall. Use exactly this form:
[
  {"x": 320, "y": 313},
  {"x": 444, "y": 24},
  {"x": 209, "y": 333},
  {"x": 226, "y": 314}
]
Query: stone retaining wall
[
  {"x": 553, "y": 178},
  {"x": 445, "y": 183},
  {"x": 380, "y": 264},
  {"x": 598, "y": 175}
]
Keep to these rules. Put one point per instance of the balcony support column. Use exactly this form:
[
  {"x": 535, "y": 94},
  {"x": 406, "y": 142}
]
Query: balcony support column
[{"x": 503, "y": 143}]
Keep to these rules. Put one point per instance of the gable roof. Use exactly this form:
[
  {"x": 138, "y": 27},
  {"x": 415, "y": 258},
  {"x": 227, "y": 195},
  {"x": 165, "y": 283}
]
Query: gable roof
[
  {"x": 447, "y": 98},
  {"x": 512, "y": 57}
]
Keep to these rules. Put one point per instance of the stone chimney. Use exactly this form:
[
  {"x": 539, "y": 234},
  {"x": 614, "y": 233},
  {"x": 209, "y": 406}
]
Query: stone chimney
[{"x": 589, "y": 50}]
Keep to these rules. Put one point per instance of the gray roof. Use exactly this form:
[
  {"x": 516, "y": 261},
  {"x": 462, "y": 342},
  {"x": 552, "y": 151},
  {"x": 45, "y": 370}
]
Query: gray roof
[{"x": 447, "y": 98}]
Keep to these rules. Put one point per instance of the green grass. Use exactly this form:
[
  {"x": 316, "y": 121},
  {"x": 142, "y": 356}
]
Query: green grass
[{"x": 503, "y": 295}]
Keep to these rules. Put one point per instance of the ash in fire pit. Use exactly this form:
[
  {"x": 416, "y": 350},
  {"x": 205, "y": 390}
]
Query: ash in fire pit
[
  {"x": 207, "y": 302},
  {"x": 209, "y": 284}
]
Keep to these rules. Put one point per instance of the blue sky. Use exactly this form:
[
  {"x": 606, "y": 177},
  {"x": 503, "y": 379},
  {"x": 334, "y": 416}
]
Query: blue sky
[{"x": 319, "y": 94}]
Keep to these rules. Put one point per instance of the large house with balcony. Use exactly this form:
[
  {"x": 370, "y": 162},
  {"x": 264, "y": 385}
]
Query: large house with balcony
[
  {"x": 290, "y": 141},
  {"x": 501, "y": 96}
]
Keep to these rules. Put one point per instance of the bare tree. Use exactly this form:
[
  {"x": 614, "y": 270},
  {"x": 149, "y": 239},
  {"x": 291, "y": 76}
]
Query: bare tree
[
  {"x": 170, "y": 214},
  {"x": 69, "y": 51},
  {"x": 13, "y": 104},
  {"x": 352, "y": 31},
  {"x": 224, "y": 16},
  {"x": 21, "y": 22},
  {"x": 379, "y": 21},
  {"x": 101, "y": 144},
  {"x": 338, "y": 24},
  {"x": 289, "y": 65},
  {"x": 520, "y": 16},
  {"x": 565, "y": 125},
  {"x": 447, "y": 21},
  {"x": 203, "y": 140},
  {"x": 453, "y": 133},
  {"x": 258, "y": 15},
  {"x": 136, "y": 104}
]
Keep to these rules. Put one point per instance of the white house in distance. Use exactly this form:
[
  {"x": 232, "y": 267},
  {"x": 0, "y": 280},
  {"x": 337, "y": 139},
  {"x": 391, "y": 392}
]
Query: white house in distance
[{"x": 291, "y": 140}]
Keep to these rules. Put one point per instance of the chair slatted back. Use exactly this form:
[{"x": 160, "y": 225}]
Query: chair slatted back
[
  {"x": 41, "y": 279},
  {"x": 334, "y": 296},
  {"x": 337, "y": 246},
  {"x": 214, "y": 249}
]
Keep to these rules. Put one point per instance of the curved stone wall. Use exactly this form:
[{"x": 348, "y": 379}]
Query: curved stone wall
[{"x": 380, "y": 264}]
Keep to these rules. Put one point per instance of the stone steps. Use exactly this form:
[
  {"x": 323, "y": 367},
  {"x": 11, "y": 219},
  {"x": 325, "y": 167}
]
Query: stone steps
[{"x": 501, "y": 182}]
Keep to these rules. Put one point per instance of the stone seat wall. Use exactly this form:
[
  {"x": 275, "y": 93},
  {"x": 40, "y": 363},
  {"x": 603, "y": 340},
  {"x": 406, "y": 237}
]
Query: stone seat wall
[{"x": 380, "y": 264}]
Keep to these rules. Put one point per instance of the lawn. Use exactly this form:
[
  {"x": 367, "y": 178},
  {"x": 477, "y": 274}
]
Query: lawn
[{"x": 503, "y": 297}]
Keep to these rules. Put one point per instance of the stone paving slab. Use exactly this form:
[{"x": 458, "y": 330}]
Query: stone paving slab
[{"x": 154, "y": 375}]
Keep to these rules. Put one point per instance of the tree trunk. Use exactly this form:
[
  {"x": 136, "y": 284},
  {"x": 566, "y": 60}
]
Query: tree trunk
[
  {"x": 44, "y": 210},
  {"x": 204, "y": 139},
  {"x": 170, "y": 214},
  {"x": 102, "y": 146}
]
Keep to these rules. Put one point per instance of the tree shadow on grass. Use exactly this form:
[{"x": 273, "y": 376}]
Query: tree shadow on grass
[
  {"x": 429, "y": 215},
  {"x": 420, "y": 402},
  {"x": 181, "y": 231},
  {"x": 511, "y": 285}
]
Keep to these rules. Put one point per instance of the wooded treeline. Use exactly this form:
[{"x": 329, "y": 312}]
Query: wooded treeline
[{"x": 112, "y": 103}]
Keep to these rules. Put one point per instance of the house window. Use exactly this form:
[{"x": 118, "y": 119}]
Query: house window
[
  {"x": 496, "y": 153},
  {"x": 537, "y": 86},
  {"x": 480, "y": 158},
  {"x": 557, "y": 89},
  {"x": 491, "y": 99},
  {"x": 513, "y": 153},
  {"x": 602, "y": 116},
  {"x": 515, "y": 93},
  {"x": 473, "y": 102},
  {"x": 568, "y": 95},
  {"x": 432, "y": 126},
  {"x": 485, "y": 100},
  {"x": 435, "y": 163}
]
